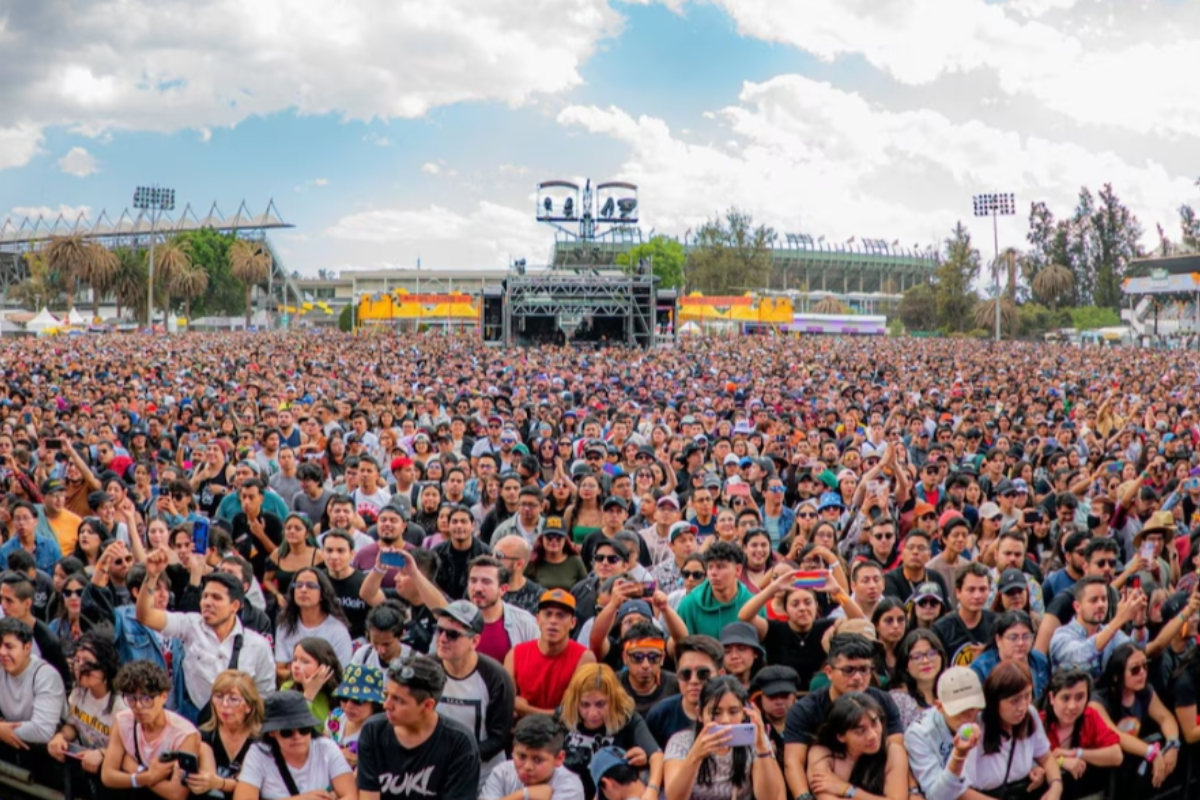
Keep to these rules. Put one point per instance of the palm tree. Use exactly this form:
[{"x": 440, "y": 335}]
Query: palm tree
[
  {"x": 830, "y": 305},
  {"x": 171, "y": 258},
  {"x": 129, "y": 282},
  {"x": 985, "y": 315},
  {"x": 98, "y": 272},
  {"x": 40, "y": 289},
  {"x": 1052, "y": 282},
  {"x": 66, "y": 257},
  {"x": 250, "y": 263},
  {"x": 190, "y": 284}
]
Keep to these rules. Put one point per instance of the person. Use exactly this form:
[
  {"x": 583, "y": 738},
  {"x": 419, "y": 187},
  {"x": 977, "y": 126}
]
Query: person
[
  {"x": 716, "y": 602},
  {"x": 536, "y": 767},
  {"x": 292, "y": 758},
  {"x": 697, "y": 659},
  {"x": 701, "y": 762},
  {"x": 145, "y": 732},
  {"x": 1012, "y": 640},
  {"x": 914, "y": 569},
  {"x": 312, "y": 610},
  {"x": 226, "y": 737},
  {"x": 597, "y": 713},
  {"x": 966, "y": 632},
  {"x": 297, "y": 550},
  {"x": 774, "y": 691},
  {"x": 337, "y": 551},
  {"x": 643, "y": 649},
  {"x": 478, "y": 694},
  {"x": 541, "y": 669},
  {"x": 1014, "y": 753},
  {"x": 851, "y": 754},
  {"x": 514, "y": 553},
  {"x": 17, "y": 596},
  {"x": 1087, "y": 641},
  {"x": 940, "y": 741},
  {"x": 385, "y": 633},
  {"x": 410, "y": 749},
  {"x": 921, "y": 660},
  {"x": 316, "y": 672},
  {"x": 214, "y": 639},
  {"x": 849, "y": 668},
  {"x": 743, "y": 652},
  {"x": 30, "y": 535},
  {"x": 457, "y": 553},
  {"x": 1083, "y": 745},
  {"x": 359, "y": 697},
  {"x": 555, "y": 564},
  {"x": 31, "y": 690},
  {"x": 92, "y": 707},
  {"x": 614, "y": 777}
]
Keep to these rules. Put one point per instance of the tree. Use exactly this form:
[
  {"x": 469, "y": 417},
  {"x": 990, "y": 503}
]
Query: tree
[
  {"x": 953, "y": 277},
  {"x": 66, "y": 257},
  {"x": 42, "y": 288},
  {"x": 663, "y": 254},
  {"x": 210, "y": 250},
  {"x": 918, "y": 308},
  {"x": 250, "y": 263},
  {"x": 189, "y": 284},
  {"x": 99, "y": 269},
  {"x": 1089, "y": 317},
  {"x": 1118, "y": 235},
  {"x": 731, "y": 255},
  {"x": 984, "y": 315},
  {"x": 1190, "y": 228},
  {"x": 171, "y": 258},
  {"x": 129, "y": 282},
  {"x": 1052, "y": 283},
  {"x": 830, "y": 305}
]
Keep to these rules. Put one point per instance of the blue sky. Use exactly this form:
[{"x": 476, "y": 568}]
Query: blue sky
[{"x": 388, "y": 132}]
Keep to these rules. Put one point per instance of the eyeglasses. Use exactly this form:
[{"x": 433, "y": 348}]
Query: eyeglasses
[
  {"x": 851, "y": 671},
  {"x": 775, "y": 489},
  {"x": 807, "y": 515},
  {"x": 451, "y": 636},
  {"x": 227, "y": 699},
  {"x": 85, "y": 667},
  {"x": 610, "y": 559},
  {"x": 701, "y": 674},
  {"x": 1137, "y": 669},
  {"x": 692, "y": 575},
  {"x": 1106, "y": 562},
  {"x": 644, "y": 658},
  {"x": 287, "y": 733},
  {"x": 139, "y": 700},
  {"x": 313, "y": 585},
  {"x": 926, "y": 656},
  {"x": 880, "y": 537},
  {"x": 1018, "y": 638}
]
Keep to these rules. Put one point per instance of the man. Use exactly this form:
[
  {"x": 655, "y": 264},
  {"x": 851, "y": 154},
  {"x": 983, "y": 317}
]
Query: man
[
  {"x": 505, "y": 508},
  {"x": 17, "y": 594},
  {"x": 1087, "y": 642},
  {"x": 31, "y": 695},
  {"x": 866, "y": 588},
  {"x": 615, "y": 778},
  {"x": 1099, "y": 558},
  {"x": 541, "y": 669},
  {"x": 337, "y": 547},
  {"x": 643, "y": 649},
  {"x": 456, "y": 554},
  {"x": 937, "y": 754},
  {"x": 609, "y": 561},
  {"x": 914, "y": 555},
  {"x": 286, "y": 482},
  {"x": 667, "y": 574},
  {"x": 30, "y": 536},
  {"x": 251, "y": 616},
  {"x": 404, "y": 475},
  {"x": 1061, "y": 581},
  {"x": 513, "y": 552},
  {"x": 849, "y": 667},
  {"x": 410, "y": 750},
  {"x": 371, "y": 495},
  {"x": 64, "y": 522},
  {"x": 697, "y": 659},
  {"x": 214, "y": 639},
  {"x": 714, "y": 604},
  {"x": 968, "y": 629},
  {"x": 256, "y": 531},
  {"x": 313, "y": 498},
  {"x": 613, "y": 514},
  {"x": 478, "y": 694},
  {"x": 1010, "y": 554},
  {"x": 418, "y": 633},
  {"x": 527, "y": 522},
  {"x": 391, "y": 529},
  {"x": 703, "y": 510},
  {"x": 536, "y": 769},
  {"x": 778, "y": 519},
  {"x": 956, "y": 533},
  {"x": 231, "y": 504}
]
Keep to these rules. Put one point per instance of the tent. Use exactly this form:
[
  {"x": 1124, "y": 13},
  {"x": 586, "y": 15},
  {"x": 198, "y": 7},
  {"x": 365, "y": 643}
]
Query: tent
[
  {"x": 76, "y": 319},
  {"x": 42, "y": 322}
]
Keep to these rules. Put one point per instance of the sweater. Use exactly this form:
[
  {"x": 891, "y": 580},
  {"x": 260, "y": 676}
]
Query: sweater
[
  {"x": 35, "y": 699},
  {"x": 704, "y": 614}
]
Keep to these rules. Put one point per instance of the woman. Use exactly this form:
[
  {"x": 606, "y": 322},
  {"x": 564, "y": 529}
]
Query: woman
[
  {"x": 1012, "y": 594},
  {"x": 585, "y": 518},
  {"x": 144, "y": 732},
  {"x": 701, "y": 763},
  {"x": 921, "y": 659},
  {"x": 441, "y": 529},
  {"x": 226, "y": 738},
  {"x": 891, "y": 623},
  {"x": 292, "y": 759},
  {"x": 313, "y": 610},
  {"x": 597, "y": 712},
  {"x": 92, "y": 539},
  {"x": 334, "y": 462},
  {"x": 987, "y": 530},
  {"x": 726, "y": 529},
  {"x": 851, "y": 753},
  {"x": 65, "y": 568},
  {"x": 299, "y": 549},
  {"x": 91, "y": 708},
  {"x": 316, "y": 673},
  {"x": 359, "y": 696},
  {"x": 925, "y": 606},
  {"x": 1013, "y": 754},
  {"x": 385, "y": 627},
  {"x": 69, "y": 624},
  {"x": 555, "y": 563},
  {"x": 760, "y": 560},
  {"x": 693, "y": 575},
  {"x": 429, "y": 500},
  {"x": 1012, "y": 640},
  {"x": 1079, "y": 740},
  {"x": 489, "y": 495},
  {"x": 1132, "y": 709},
  {"x": 158, "y": 535}
]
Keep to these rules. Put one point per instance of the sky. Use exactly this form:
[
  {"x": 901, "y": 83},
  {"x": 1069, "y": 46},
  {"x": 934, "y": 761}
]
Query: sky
[{"x": 398, "y": 132}]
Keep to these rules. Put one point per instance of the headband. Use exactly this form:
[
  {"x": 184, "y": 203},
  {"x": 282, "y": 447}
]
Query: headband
[{"x": 652, "y": 644}]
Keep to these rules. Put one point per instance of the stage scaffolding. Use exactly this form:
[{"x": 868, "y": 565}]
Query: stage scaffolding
[{"x": 570, "y": 297}]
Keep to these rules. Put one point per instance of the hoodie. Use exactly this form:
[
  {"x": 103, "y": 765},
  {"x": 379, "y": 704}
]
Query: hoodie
[{"x": 704, "y": 614}]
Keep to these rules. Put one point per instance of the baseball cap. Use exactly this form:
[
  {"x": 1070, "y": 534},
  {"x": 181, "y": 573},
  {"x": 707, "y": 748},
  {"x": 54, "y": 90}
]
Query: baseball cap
[
  {"x": 775, "y": 680},
  {"x": 400, "y": 462},
  {"x": 53, "y": 485},
  {"x": 1011, "y": 578},
  {"x": 464, "y": 613},
  {"x": 618, "y": 502},
  {"x": 605, "y": 759},
  {"x": 680, "y": 528},
  {"x": 557, "y": 598},
  {"x": 926, "y": 590},
  {"x": 959, "y": 690},
  {"x": 668, "y": 500},
  {"x": 989, "y": 510},
  {"x": 922, "y": 508},
  {"x": 630, "y": 607},
  {"x": 730, "y": 459}
]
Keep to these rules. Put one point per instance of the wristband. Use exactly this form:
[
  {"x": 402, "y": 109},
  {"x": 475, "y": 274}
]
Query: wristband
[
  {"x": 1079, "y": 753},
  {"x": 525, "y": 793},
  {"x": 133, "y": 780},
  {"x": 850, "y": 791},
  {"x": 1152, "y": 753},
  {"x": 654, "y": 786},
  {"x": 806, "y": 796},
  {"x": 382, "y": 570},
  {"x": 1055, "y": 780},
  {"x": 1171, "y": 744},
  {"x": 1059, "y": 761}
]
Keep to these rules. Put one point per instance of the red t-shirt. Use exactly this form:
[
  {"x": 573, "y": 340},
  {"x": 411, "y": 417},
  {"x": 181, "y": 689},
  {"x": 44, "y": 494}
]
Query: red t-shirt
[
  {"x": 1093, "y": 735},
  {"x": 494, "y": 642}
]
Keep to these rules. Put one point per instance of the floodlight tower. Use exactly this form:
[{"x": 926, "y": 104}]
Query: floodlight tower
[
  {"x": 605, "y": 211},
  {"x": 154, "y": 199},
  {"x": 995, "y": 206}
]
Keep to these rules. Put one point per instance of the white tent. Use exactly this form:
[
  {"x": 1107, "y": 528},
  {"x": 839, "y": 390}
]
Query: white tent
[
  {"x": 43, "y": 321},
  {"x": 77, "y": 319}
]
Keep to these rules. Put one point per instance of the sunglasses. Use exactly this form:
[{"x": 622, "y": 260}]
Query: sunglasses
[
  {"x": 645, "y": 658},
  {"x": 807, "y": 515},
  {"x": 692, "y": 575},
  {"x": 313, "y": 585},
  {"x": 72, "y": 592},
  {"x": 929, "y": 602},
  {"x": 452, "y": 636},
  {"x": 288, "y": 733},
  {"x": 610, "y": 559},
  {"x": 1137, "y": 669},
  {"x": 553, "y": 535},
  {"x": 701, "y": 674},
  {"x": 1106, "y": 562}
]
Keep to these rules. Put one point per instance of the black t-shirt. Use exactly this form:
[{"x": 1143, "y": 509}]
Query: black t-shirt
[
  {"x": 245, "y": 541},
  {"x": 1063, "y": 606},
  {"x": 208, "y": 500},
  {"x": 667, "y": 719},
  {"x": 582, "y": 744},
  {"x": 668, "y": 686},
  {"x": 445, "y": 766},
  {"x": 897, "y": 586},
  {"x": 810, "y": 712},
  {"x": 955, "y": 635},
  {"x": 1182, "y": 690},
  {"x": 355, "y": 607},
  {"x": 800, "y": 651}
]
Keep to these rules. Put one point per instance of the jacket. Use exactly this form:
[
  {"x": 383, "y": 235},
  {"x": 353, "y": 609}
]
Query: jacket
[
  {"x": 929, "y": 742},
  {"x": 450, "y": 578},
  {"x": 46, "y": 552},
  {"x": 519, "y": 625},
  {"x": 509, "y": 528},
  {"x": 134, "y": 640}
]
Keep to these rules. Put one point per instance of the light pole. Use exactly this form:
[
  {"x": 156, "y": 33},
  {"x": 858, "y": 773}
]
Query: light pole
[
  {"x": 995, "y": 206},
  {"x": 155, "y": 200}
]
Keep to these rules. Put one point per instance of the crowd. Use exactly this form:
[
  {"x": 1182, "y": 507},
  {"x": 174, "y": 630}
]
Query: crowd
[{"x": 331, "y": 567}]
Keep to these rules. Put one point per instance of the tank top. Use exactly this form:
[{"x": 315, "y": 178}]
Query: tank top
[
  {"x": 542, "y": 680},
  {"x": 581, "y": 532},
  {"x": 284, "y": 577}
]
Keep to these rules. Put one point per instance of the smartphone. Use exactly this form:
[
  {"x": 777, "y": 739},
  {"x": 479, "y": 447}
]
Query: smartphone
[
  {"x": 1147, "y": 550},
  {"x": 188, "y": 763},
  {"x": 1115, "y": 468},
  {"x": 649, "y": 588},
  {"x": 739, "y": 490},
  {"x": 27, "y": 418},
  {"x": 200, "y": 536},
  {"x": 743, "y": 734},
  {"x": 393, "y": 559},
  {"x": 54, "y": 444},
  {"x": 809, "y": 579}
]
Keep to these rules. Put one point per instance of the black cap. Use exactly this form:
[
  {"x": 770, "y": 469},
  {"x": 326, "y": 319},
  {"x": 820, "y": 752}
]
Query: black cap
[
  {"x": 619, "y": 502},
  {"x": 1011, "y": 579},
  {"x": 776, "y": 680}
]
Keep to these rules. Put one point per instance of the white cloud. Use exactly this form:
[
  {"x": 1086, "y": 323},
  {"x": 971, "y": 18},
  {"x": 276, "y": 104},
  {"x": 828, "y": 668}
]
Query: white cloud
[
  {"x": 78, "y": 162},
  {"x": 19, "y": 144},
  {"x": 69, "y": 213},
  {"x": 374, "y": 59},
  {"x": 430, "y": 168},
  {"x": 820, "y": 160},
  {"x": 377, "y": 140},
  {"x": 320, "y": 182}
]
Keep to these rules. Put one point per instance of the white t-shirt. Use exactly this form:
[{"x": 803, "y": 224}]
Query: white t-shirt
[
  {"x": 564, "y": 784},
  {"x": 331, "y": 630},
  {"x": 325, "y": 762},
  {"x": 92, "y": 718},
  {"x": 987, "y": 772}
]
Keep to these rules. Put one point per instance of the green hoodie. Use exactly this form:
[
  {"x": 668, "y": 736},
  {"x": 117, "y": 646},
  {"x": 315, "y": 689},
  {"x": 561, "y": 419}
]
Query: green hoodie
[{"x": 704, "y": 614}]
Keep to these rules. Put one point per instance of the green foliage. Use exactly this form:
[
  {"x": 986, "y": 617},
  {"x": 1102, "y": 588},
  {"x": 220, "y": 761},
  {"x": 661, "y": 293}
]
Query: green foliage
[
  {"x": 346, "y": 319},
  {"x": 1089, "y": 317},
  {"x": 210, "y": 251},
  {"x": 895, "y": 327},
  {"x": 666, "y": 255},
  {"x": 1036, "y": 319},
  {"x": 918, "y": 308},
  {"x": 952, "y": 290},
  {"x": 731, "y": 255}
]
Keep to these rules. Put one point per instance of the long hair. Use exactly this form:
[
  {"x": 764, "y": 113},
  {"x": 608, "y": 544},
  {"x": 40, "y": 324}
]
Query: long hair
[
  {"x": 712, "y": 693},
  {"x": 886, "y": 604},
  {"x": 1008, "y": 679},
  {"x": 1062, "y": 680},
  {"x": 232, "y": 680},
  {"x": 82, "y": 580},
  {"x": 309, "y": 539},
  {"x": 597, "y": 678},
  {"x": 108, "y": 662},
  {"x": 848, "y": 711},
  {"x": 904, "y": 651},
  {"x": 289, "y": 619},
  {"x": 322, "y": 652},
  {"x": 539, "y": 549},
  {"x": 1007, "y": 621},
  {"x": 1112, "y": 681}
]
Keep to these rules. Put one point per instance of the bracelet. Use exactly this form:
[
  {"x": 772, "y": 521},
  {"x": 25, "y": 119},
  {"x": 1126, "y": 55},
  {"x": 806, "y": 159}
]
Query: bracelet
[
  {"x": 654, "y": 786},
  {"x": 1054, "y": 780},
  {"x": 1059, "y": 761},
  {"x": 767, "y": 754},
  {"x": 1152, "y": 753},
  {"x": 382, "y": 570},
  {"x": 133, "y": 780},
  {"x": 1079, "y": 753},
  {"x": 525, "y": 793},
  {"x": 850, "y": 791}
]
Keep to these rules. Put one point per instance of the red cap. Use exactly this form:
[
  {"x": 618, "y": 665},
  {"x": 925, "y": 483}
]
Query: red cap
[{"x": 400, "y": 462}]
